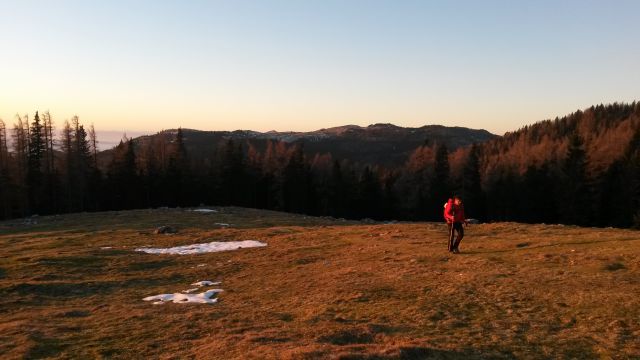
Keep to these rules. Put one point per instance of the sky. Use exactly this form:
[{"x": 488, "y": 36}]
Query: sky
[{"x": 143, "y": 66}]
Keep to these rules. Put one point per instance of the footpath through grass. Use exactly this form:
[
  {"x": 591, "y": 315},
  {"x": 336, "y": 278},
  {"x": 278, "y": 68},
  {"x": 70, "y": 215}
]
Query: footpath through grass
[{"x": 71, "y": 287}]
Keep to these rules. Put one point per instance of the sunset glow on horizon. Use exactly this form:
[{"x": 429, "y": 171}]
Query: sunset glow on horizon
[{"x": 305, "y": 65}]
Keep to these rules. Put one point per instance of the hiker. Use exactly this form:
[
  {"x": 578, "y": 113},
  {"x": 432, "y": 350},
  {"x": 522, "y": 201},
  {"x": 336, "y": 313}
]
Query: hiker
[{"x": 454, "y": 216}]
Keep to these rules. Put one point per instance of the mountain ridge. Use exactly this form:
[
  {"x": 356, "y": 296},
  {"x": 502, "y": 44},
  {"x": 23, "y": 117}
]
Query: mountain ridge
[{"x": 380, "y": 143}]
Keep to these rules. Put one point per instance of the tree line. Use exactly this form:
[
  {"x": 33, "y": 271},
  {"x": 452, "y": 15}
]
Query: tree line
[{"x": 558, "y": 183}]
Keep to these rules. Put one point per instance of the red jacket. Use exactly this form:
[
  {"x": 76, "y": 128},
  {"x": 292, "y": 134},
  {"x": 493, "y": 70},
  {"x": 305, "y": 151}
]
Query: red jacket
[{"x": 453, "y": 212}]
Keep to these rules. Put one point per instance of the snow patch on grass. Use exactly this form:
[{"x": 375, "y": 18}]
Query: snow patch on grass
[
  {"x": 180, "y": 298},
  {"x": 213, "y": 246},
  {"x": 205, "y": 210},
  {"x": 206, "y": 283}
]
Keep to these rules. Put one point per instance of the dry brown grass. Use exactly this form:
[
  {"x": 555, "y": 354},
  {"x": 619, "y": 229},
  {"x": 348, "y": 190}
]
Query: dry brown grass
[{"x": 321, "y": 289}]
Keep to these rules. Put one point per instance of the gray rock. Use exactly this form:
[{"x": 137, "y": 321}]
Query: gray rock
[{"x": 165, "y": 230}]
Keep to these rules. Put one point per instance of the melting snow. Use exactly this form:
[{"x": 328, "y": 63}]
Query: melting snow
[
  {"x": 221, "y": 224},
  {"x": 206, "y": 283},
  {"x": 213, "y": 246},
  {"x": 189, "y": 291},
  {"x": 179, "y": 298},
  {"x": 204, "y": 210}
]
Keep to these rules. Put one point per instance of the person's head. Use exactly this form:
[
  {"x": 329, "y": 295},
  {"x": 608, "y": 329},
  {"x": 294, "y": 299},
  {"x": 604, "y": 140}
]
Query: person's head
[{"x": 457, "y": 200}]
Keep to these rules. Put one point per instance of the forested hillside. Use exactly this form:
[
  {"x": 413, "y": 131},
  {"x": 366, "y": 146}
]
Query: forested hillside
[
  {"x": 581, "y": 169},
  {"x": 379, "y": 144}
]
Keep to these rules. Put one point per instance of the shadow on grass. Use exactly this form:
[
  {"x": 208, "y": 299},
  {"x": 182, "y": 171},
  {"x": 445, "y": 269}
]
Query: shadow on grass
[
  {"x": 45, "y": 348},
  {"x": 614, "y": 266},
  {"x": 67, "y": 290},
  {"x": 521, "y": 248},
  {"x": 82, "y": 263},
  {"x": 419, "y": 353},
  {"x": 150, "y": 265},
  {"x": 348, "y": 337}
]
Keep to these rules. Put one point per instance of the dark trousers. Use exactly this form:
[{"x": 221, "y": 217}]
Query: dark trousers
[{"x": 454, "y": 241}]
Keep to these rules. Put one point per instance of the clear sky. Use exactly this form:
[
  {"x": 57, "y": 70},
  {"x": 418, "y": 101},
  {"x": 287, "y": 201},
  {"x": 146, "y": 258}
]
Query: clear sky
[{"x": 309, "y": 64}]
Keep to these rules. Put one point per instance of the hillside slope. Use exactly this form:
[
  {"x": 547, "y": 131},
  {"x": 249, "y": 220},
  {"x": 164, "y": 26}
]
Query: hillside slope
[
  {"x": 605, "y": 130},
  {"x": 383, "y": 144},
  {"x": 72, "y": 286}
]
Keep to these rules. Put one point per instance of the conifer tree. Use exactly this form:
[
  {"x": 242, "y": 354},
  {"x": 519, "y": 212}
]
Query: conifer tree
[
  {"x": 83, "y": 168},
  {"x": 67, "y": 169},
  {"x": 575, "y": 194},
  {"x": 231, "y": 174},
  {"x": 337, "y": 191},
  {"x": 34, "y": 165},
  {"x": 123, "y": 177},
  {"x": 369, "y": 197},
  {"x": 5, "y": 181},
  {"x": 440, "y": 185},
  {"x": 471, "y": 191},
  {"x": 296, "y": 183},
  {"x": 20, "y": 145},
  {"x": 178, "y": 172},
  {"x": 50, "y": 174}
]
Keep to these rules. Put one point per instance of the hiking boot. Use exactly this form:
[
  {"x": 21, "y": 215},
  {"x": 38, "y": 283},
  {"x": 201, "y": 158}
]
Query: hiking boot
[{"x": 455, "y": 251}]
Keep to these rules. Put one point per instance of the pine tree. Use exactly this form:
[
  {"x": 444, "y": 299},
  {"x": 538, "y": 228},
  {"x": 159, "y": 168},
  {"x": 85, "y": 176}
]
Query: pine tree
[
  {"x": 49, "y": 170},
  {"x": 296, "y": 183},
  {"x": 471, "y": 191},
  {"x": 83, "y": 168},
  {"x": 93, "y": 142},
  {"x": 34, "y": 165},
  {"x": 369, "y": 197},
  {"x": 231, "y": 178},
  {"x": 440, "y": 185},
  {"x": 4, "y": 152},
  {"x": 66, "y": 147},
  {"x": 575, "y": 198},
  {"x": 20, "y": 144},
  {"x": 536, "y": 196},
  {"x": 337, "y": 191},
  {"x": 178, "y": 172},
  {"x": 123, "y": 180},
  {"x": 5, "y": 181}
]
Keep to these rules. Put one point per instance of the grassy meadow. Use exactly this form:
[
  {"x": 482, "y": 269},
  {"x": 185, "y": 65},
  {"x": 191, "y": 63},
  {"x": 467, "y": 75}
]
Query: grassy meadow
[{"x": 71, "y": 286}]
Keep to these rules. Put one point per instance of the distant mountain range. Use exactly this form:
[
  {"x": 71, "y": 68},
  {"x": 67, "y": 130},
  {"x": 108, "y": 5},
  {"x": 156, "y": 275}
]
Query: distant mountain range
[
  {"x": 606, "y": 130},
  {"x": 384, "y": 144}
]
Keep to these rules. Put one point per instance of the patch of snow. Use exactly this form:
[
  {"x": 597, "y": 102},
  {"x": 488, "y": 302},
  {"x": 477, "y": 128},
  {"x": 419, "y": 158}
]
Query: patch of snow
[
  {"x": 213, "y": 246},
  {"x": 205, "y": 210},
  {"x": 206, "y": 283},
  {"x": 221, "y": 224},
  {"x": 201, "y": 265},
  {"x": 179, "y": 298},
  {"x": 189, "y": 291},
  {"x": 106, "y": 247}
]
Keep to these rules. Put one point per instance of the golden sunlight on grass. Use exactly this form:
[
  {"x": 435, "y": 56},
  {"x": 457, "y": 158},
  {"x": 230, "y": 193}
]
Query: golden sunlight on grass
[{"x": 71, "y": 286}]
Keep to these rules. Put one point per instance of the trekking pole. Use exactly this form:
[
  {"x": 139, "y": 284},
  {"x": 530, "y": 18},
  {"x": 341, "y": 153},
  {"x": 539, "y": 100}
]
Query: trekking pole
[{"x": 453, "y": 214}]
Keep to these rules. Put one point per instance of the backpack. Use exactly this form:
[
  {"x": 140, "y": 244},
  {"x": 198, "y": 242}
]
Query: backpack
[{"x": 447, "y": 207}]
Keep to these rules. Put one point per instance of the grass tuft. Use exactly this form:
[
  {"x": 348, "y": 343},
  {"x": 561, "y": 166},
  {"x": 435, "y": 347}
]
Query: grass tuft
[{"x": 615, "y": 266}]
